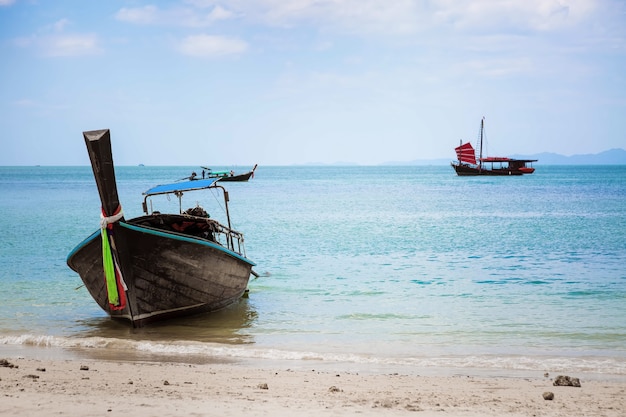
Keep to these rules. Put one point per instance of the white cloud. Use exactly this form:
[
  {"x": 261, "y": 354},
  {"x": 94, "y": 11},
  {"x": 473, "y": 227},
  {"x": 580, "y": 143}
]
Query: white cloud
[
  {"x": 61, "y": 45},
  {"x": 412, "y": 16},
  {"x": 177, "y": 16},
  {"x": 364, "y": 16},
  {"x": 69, "y": 45},
  {"x": 509, "y": 15},
  {"x": 498, "y": 67},
  {"x": 6, "y": 2},
  {"x": 51, "y": 40},
  {"x": 25, "y": 102},
  {"x": 60, "y": 25},
  {"x": 211, "y": 46},
  {"x": 202, "y": 4},
  {"x": 138, "y": 15},
  {"x": 219, "y": 13},
  {"x": 440, "y": 24}
]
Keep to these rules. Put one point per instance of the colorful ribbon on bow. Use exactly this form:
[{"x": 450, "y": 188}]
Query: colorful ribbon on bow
[{"x": 116, "y": 288}]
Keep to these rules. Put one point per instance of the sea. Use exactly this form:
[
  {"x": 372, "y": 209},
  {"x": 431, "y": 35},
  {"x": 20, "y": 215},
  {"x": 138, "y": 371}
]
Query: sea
[{"x": 368, "y": 268}]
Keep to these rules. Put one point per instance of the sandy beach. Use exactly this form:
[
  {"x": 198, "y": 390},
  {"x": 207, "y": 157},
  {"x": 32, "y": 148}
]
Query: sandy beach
[{"x": 88, "y": 387}]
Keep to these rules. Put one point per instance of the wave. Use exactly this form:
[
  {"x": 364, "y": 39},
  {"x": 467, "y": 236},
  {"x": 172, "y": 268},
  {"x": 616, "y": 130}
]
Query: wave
[{"x": 199, "y": 352}]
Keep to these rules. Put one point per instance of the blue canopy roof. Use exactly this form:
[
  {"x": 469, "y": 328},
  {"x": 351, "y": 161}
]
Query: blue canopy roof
[{"x": 181, "y": 186}]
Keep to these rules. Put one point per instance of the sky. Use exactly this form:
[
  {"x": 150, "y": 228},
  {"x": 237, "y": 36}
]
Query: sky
[{"x": 287, "y": 82}]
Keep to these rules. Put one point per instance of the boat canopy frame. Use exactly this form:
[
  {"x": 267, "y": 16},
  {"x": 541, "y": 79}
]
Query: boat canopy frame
[{"x": 234, "y": 239}]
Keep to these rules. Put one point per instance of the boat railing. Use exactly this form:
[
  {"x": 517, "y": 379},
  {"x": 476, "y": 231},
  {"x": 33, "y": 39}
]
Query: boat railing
[
  {"x": 227, "y": 237},
  {"x": 196, "y": 226},
  {"x": 221, "y": 234}
]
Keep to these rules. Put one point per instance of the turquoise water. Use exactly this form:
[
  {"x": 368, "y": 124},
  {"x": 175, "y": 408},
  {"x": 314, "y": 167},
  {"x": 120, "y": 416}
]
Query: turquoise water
[{"x": 406, "y": 266}]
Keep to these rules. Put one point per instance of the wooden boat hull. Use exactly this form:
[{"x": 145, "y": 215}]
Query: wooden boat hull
[
  {"x": 167, "y": 274},
  {"x": 464, "y": 170},
  {"x": 238, "y": 178},
  {"x": 225, "y": 177}
]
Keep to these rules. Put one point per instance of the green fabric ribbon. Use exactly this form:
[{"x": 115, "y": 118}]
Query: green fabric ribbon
[{"x": 109, "y": 269}]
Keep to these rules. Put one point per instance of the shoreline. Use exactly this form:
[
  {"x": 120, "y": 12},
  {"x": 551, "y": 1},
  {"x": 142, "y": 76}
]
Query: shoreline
[
  {"x": 427, "y": 368},
  {"x": 36, "y": 383},
  {"x": 508, "y": 366}
]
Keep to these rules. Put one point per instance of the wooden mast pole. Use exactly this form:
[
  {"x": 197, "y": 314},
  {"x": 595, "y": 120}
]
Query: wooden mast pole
[{"x": 480, "y": 160}]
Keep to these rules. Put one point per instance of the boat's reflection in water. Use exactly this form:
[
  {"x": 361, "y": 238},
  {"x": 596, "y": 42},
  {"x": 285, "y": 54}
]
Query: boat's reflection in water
[{"x": 188, "y": 339}]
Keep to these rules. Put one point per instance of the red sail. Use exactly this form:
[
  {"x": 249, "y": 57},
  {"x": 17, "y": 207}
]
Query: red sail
[{"x": 465, "y": 153}]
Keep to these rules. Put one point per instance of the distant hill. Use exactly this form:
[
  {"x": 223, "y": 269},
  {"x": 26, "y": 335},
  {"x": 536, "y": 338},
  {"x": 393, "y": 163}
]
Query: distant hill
[{"x": 615, "y": 156}]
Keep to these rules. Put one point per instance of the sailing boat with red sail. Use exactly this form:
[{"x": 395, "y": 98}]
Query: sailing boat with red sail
[{"x": 468, "y": 165}]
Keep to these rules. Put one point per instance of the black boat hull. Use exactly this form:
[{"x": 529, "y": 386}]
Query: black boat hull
[
  {"x": 168, "y": 275},
  {"x": 238, "y": 178},
  {"x": 464, "y": 170}
]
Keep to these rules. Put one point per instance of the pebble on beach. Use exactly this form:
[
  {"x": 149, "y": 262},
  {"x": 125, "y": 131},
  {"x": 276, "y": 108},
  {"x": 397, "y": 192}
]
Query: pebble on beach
[{"x": 566, "y": 381}]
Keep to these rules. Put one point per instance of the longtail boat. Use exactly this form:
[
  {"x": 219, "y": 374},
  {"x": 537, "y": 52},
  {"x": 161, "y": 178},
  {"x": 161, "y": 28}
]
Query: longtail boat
[
  {"x": 158, "y": 266},
  {"x": 227, "y": 175}
]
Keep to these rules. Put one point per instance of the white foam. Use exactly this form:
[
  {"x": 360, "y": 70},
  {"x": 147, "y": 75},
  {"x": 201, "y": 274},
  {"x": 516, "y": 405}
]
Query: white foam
[{"x": 193, "y": 351}]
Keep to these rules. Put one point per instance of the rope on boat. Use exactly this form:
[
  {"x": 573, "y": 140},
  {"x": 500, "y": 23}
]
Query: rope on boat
[{"x": 105, "y": 221}]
